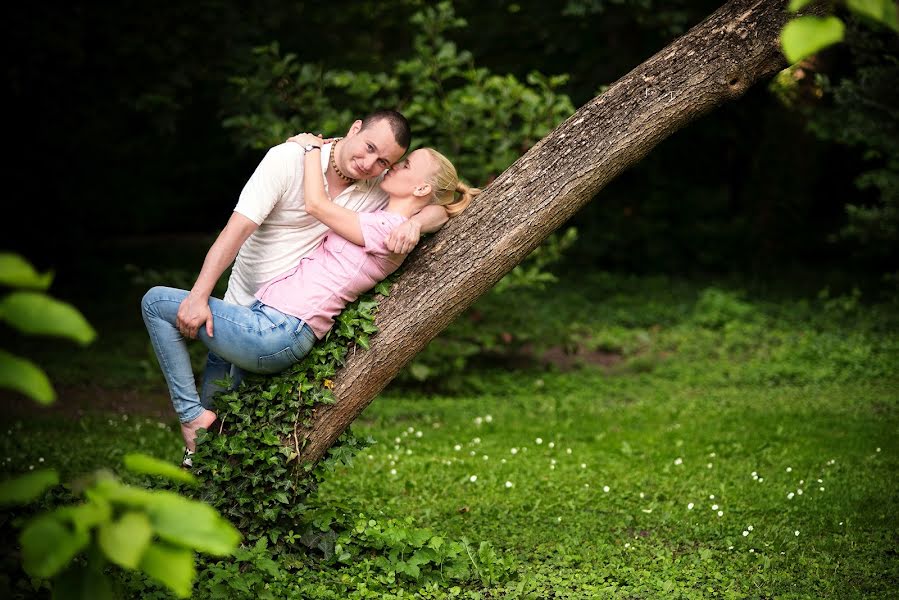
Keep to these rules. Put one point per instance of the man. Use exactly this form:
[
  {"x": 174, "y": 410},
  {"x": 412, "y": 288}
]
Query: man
[{"x": 272, "y": 230}]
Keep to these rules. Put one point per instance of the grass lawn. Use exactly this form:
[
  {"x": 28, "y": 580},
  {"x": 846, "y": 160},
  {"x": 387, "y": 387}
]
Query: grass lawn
[{"x": 740, "y": 448}]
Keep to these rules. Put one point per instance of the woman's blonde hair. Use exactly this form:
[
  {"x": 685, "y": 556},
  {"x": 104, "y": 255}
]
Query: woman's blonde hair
[{"x": 445, "y": 183}]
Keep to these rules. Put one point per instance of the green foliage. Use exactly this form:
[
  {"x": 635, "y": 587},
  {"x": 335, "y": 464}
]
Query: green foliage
[
  {"x": 155, "y": 532},
  {"x": 34, "y": 313},
  {"x": 479, "y": 120},
  {"x": 806, "y": 35}
]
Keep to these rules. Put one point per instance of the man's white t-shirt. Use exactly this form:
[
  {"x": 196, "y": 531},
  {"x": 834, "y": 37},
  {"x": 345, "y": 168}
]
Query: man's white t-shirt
[{"x": 273, "y": 199}]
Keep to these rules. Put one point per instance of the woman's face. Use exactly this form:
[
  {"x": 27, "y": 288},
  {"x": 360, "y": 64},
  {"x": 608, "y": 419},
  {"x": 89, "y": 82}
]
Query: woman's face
[{"x": 406, "y": 176}]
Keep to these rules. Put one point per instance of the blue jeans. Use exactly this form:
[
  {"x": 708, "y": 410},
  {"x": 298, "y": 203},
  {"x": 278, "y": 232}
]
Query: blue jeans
[{"x": 258, "y": 338}]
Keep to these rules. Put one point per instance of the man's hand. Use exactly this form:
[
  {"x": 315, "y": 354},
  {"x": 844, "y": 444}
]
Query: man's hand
[
  {"x": 193, "y": 313},
  {"x": 404, "y": 238}
]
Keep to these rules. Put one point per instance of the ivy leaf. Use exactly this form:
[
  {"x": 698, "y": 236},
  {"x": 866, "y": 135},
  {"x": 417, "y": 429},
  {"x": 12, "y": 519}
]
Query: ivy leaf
[
  {"x": 362, "y": 340},
  {"x": 805, "y": 36},
  {"x": 28, "y": 487},
  {"x": 173, "y": 567},
  {"x": 15, "y": 271},
  {"x": 148, "y": 465},
  {"x": 383, "y": 288},
  {"x": 48, "y": 546},
  {"x": 880, "y": 11},
  {"x": 25, "y": 377},
  {"x": 124, "y": 541},
  {"x": 39, "y": 314}
]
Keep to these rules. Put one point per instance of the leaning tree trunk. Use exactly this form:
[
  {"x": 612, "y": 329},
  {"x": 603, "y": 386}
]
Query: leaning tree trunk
[{"x": 716, "y": 61}]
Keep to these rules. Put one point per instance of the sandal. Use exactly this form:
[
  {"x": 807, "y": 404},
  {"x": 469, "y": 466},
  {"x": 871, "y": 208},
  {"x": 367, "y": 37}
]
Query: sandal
[{"x": 187, "y": 461}]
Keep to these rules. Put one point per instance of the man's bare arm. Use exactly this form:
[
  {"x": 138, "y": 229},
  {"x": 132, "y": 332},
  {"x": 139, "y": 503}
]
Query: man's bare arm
[
  {"x": 194, "y": 310},
  {"x": 428, "y": 220}
]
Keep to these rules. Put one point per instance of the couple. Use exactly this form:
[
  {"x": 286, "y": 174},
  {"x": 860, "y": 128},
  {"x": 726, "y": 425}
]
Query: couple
[{"x": 315, "y": 226}]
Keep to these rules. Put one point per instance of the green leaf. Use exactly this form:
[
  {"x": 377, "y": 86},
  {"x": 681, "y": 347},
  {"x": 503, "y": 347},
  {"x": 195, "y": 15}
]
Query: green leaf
[
  {"x": 192, "y": 524},
  {"x": 86, "y": 516},
  {"x": 804, "y": 36},
  {"x": 15, "y": 271},
  {"x": 48, "y": 546},
  {"x": 797, "y": 5},
  {"x": 124, "y": 541},
  {"x": 28, "y": 487},
  {"x": 172, "y": 567},
  {"x": 39, "y": 314},
  {"x": 148, "y": 465},
  {"x": 881, "y": 11},
  {"x": 25, "y": 377}
]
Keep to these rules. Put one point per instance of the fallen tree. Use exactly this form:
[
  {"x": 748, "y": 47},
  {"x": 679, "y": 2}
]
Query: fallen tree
[{"x": 713, "y": 63}]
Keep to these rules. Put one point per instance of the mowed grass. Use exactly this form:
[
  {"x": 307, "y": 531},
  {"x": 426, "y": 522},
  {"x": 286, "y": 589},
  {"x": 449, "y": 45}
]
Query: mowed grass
[{"x": 739, "y": 448}]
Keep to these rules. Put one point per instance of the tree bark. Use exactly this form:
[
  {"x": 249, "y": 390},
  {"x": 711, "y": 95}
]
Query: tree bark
[{"x": 713, "y": 63}]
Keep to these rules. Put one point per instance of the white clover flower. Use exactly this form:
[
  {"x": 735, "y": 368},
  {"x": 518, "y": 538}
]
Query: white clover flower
[
  {"x": 502, "y": 460},
  {"x": 801, "y": 481},
  {"x": 627, "y": 545},
  {"x": 393, "y": 471},
  {"x": 745, "y": 533},
  {"x": 397, "y": 447},
  {"x": 476, "y": 440},
  {"x": 370, "y": 457},
  {"x": 647, "y": 510},
  {"x": 714, "y": 507},
  {"x": 485, "y": 457},
  {"x": 567, "y": 450},
  {"x": 551, "y": 444},
  {"x": 752, "y": 550},
  {"x": 708, "y": 466},
  {"x": 587, "y": 485},
  {"x": 796, "y": 533},
  {"x": 471, "y": 452},
  {"x": 538, "y": 441},
  {"x": 473, "y": 478},
  {"x": 678, "y": 461},
  {"x": 583, "y": 465},
  {"x": 690, "y": 506},
  {"x": 749, "y": 527},
  {"x": 31, "y": 467},
  {"x": 720, "y": 513},
  {"x": 789, "y": 469},
  {"x": 790, "y": 496},
  {"x": 821, "y": 488},
  {"x": 878, "y": 449},
  {"x": 799, "y": 492},
  {"x": 457, "y": 447},
  {"x": 820, "y": 481},
  {"x": 488, "y": 418},
  {"x": 408, "y": 451},
  {"x": 514, "y": 450},
  {"x": 397, "y": 440},
  {"x": 478, "y": 420},
  {"x": 606, "y": 489},
  {"x": 41, "y": 459},
  {"x": 841, "y": 522},
  {"x": 418, "y": 434},
  {"x": 552, "y": 467},
  {"x": 552, "y": 461},
  {"x": 761, "y": 479},
  {"x": 509, "y": 484},
  {"x": 712, "y": 455},
  {"x": 730, "y": 547},
  {"x": 642, "y": 495},
  {"x": 711, "y": 496},
  {"x": 558, "y": 519}
]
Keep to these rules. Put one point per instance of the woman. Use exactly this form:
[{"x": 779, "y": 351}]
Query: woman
[{"x": 298, "y": 307}]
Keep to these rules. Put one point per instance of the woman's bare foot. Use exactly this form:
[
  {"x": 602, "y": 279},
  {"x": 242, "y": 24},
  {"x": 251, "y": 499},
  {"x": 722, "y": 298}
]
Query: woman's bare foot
[{"x": 189, "y": 429}]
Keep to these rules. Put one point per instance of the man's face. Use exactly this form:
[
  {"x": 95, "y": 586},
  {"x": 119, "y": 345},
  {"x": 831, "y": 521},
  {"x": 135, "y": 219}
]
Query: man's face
[{"x": 365, "y": 153}]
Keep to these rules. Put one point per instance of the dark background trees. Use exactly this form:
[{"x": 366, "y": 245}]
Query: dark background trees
[{"x": 126, "y": 121}]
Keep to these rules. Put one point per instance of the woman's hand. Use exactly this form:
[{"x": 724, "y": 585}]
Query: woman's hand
[{"x": 308, "y": 138}]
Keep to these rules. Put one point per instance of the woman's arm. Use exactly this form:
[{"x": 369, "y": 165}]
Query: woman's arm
[{"x": 343, "y": 221}]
